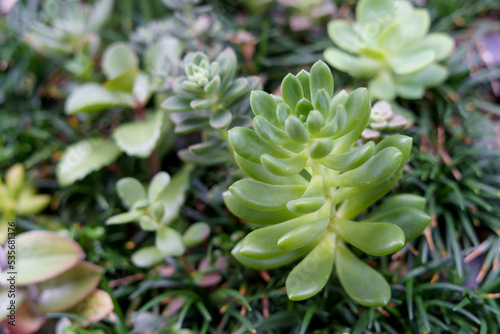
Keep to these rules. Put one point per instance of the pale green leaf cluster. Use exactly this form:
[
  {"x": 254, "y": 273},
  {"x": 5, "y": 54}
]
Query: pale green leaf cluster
[
  {"x": 155, "y": 209},
  {"x": 308, "y": 181},
  {"x": 127, "y": 86},
  {"x": 70, "y": 28},
  {"x": 18, "y": 198},
  {"x": 389, "y": 43},
  {"x": 51, "y": 276},
  {"x": 209, "y": 98}
]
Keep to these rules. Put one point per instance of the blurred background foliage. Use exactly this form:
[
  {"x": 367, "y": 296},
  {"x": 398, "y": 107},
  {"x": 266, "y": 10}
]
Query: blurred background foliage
[{"x": 445, "y": 281}]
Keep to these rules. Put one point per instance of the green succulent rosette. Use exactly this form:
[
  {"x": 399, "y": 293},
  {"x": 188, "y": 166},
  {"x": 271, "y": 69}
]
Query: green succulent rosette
[
  {"x": 211, "y": 99},
  {"x": 389, "y": 43},
  {"x": 307, "y": 182}
]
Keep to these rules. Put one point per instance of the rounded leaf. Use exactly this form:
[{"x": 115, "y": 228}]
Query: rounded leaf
[
  {"x": 196, "y": 234},
  {"x": 361, "y": 282},
  {"x": 44, "y": 256}
]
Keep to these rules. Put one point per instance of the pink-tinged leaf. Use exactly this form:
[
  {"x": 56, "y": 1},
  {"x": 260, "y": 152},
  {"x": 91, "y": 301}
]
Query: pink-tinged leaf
[
  {"x": 69, "y": 288},
  {"x": 44, "y": 255},
  {"x": 95, "y": 307}
]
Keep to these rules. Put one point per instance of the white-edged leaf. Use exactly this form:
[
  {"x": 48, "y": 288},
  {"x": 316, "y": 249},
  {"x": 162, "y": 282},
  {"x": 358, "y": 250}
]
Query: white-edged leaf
[
  {"x": 118, "y": 58},
  {"x": 138, "y": 138},
  {"x": 85, "y": 157},
  {"x": 92, "y": 97}
]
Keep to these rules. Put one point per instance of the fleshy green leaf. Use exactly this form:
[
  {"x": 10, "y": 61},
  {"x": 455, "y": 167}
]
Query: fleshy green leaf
[
  {"x": 440, "y": 43},
  {"x": 270, "y": 263},
  {"x": 91, "y": 97},
  {"x": 69, "y": 288},
  {"x": 321, "y": 78},
  {"x": 351, "y": 159},
  {"x": 406, "y": 64},
  {"x": 123, "y": 218},
  {"x": 401, "y": 200},
  {"x": 376, "y": 170},
  {"x": 362, "y": 67},
  {"x": 263, "y": 196},
  {"x": 130, "y": 191},
  {"x": 343, "y": 34},
  {"x": 85, "y": 157},
  {"x": 256, "y": 216},
  {"x": 372, "y": 238},
  {"x": 158, "y": 185},
  {"x": 408, "y": 219},
  {"x": 196, "y": 234},
  {"x": 263, "y": 242},
  {"x": 311, "y": 274},
  {"x": 382, "y": 87},
  {"x": 140, "y": 138},
  {"x": 175, "y": 195},
  {"x": 250, "y": 146},
  {"x": 307, "y": 232},
  {"x": 263, "y": 104},
  {"x": 372, "y": 10},
  {"x": 147, "y": 257},
  {"x": 169, "y": 241},
  {"x": 361, "y": 282},
  {"x": 291, "y": 90},
  {"x": 118, "y": 59},
  {"x": 258, "y": 172}
]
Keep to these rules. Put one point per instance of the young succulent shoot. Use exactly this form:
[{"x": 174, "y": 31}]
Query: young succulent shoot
[
  {"x": 18, "y": 198},
  {"x": 155, "y": 210},
  {"x": 307, "y": 184},
  {"x": 209, "y": 98},
  {"x": 383, "y": 122},
  {"x": 389, "y": 44}
]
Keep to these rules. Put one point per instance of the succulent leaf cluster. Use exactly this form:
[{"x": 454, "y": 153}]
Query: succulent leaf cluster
[
  {"x": 389, "y": 44},
  {"x": 156, "y": 210},
  {"x": 131, "y": 84},
  {"x": 67, "y": 27},
  {"x": 383, "y": 122},
  {"x": 51, "y": 277},
  {"x": 306, "y": 183},
  {"x": 209, "y": 98},
  {"x": 18, "y": 198}
]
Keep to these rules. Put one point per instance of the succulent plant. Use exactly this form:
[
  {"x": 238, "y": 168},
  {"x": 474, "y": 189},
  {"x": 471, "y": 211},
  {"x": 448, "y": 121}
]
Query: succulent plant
[
  {"x": 389, "y": 44},
  {"x": 383, "y": 122},
  {"x": 128, "y": 87},
  {"x": 209, "y": 98},
  {"x": 51, "y": 277},
  {"x": 67, "y": 26},
  {"x": 156, "y": 210},
  {"x": 306, "y": 183},
  {"x": 18, "y": 198}
]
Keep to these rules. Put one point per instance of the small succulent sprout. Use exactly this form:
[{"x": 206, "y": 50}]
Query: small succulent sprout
[
  {"x": 18, "y": 198},
  {"x": 156, "y": 208},
  {"x": 209, "y": 98},
  {"x": 383, "y": 122},
  {"x": 390, "y": 45},
  {"x": 308, "y": 181}
]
